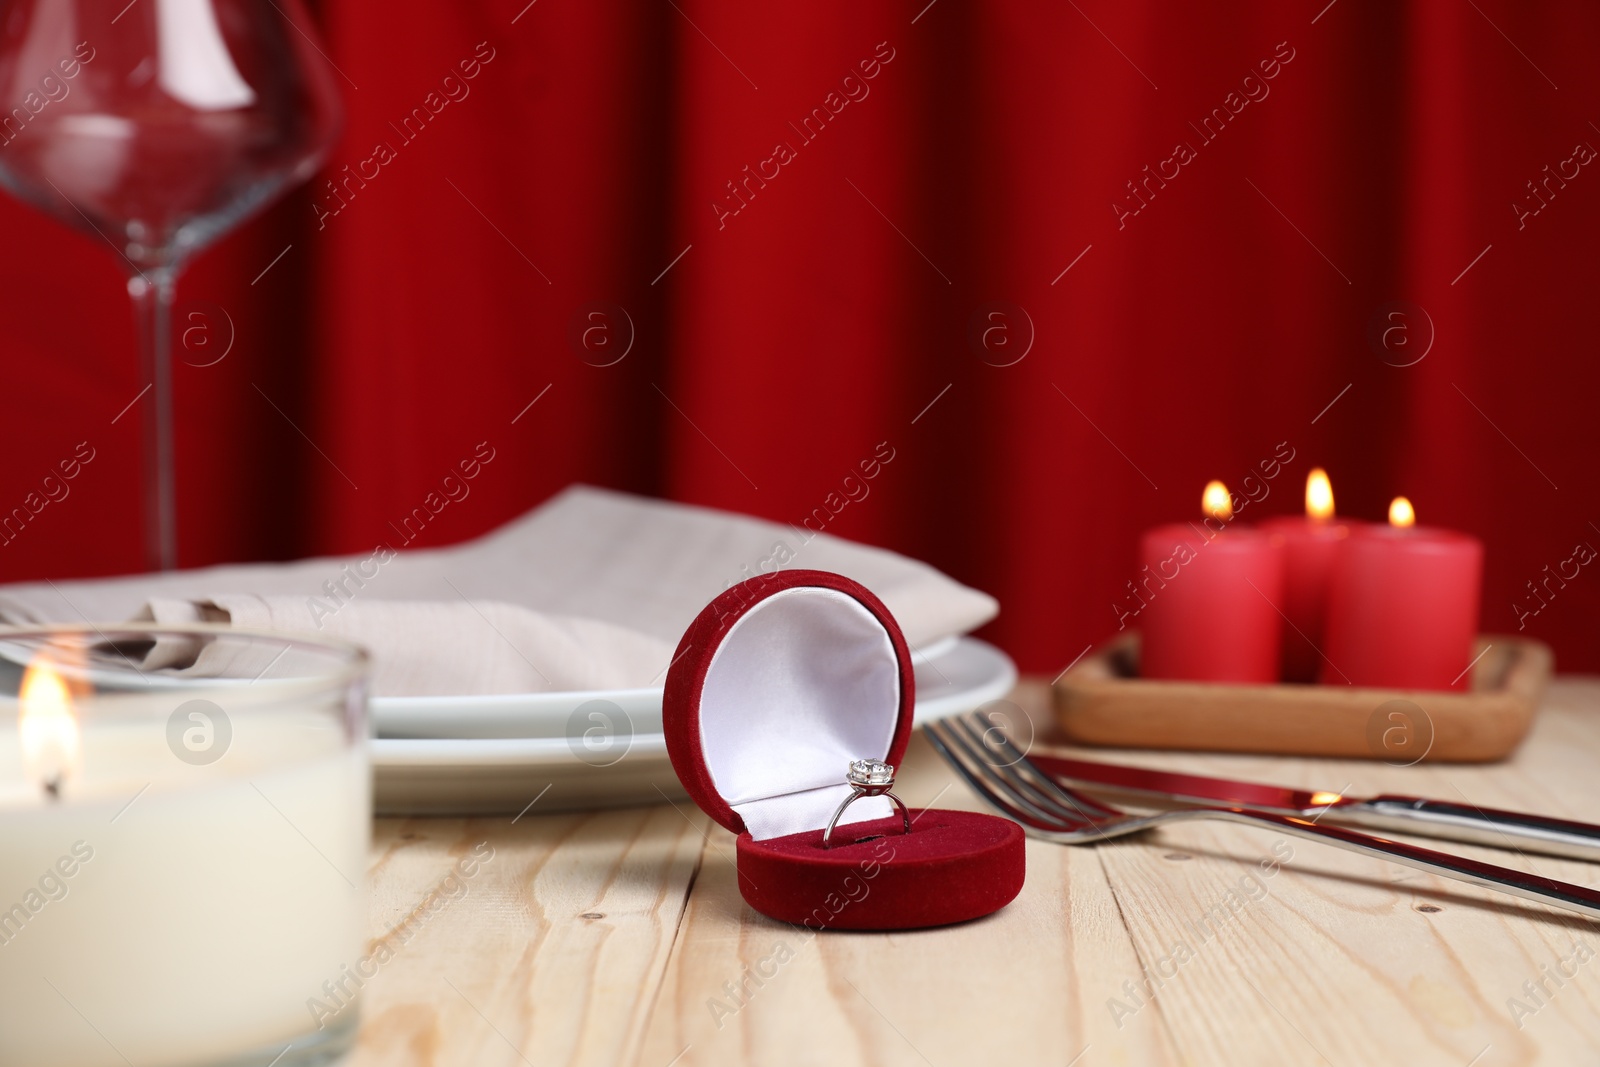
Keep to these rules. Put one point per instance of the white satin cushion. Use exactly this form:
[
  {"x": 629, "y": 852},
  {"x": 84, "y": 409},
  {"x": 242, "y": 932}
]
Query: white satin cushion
[{"x": 803, "y": 683}]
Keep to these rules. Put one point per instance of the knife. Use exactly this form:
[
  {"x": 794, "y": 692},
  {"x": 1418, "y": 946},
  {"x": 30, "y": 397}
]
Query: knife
[{"x": 1467, "y": 822}]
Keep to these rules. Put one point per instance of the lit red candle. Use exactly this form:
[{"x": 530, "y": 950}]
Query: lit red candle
[
  {"x": 1210, "y": 613},
  {"x": 1403, "y": 605},
  {"x": 1309, "y": 545}
]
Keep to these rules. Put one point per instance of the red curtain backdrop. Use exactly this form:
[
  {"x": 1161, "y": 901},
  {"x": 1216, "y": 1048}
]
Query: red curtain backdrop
[{"x": 1044, "y": 268}]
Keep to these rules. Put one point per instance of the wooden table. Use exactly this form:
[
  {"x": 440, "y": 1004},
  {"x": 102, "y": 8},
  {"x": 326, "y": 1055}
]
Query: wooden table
[{"x": 619, "y": 937}]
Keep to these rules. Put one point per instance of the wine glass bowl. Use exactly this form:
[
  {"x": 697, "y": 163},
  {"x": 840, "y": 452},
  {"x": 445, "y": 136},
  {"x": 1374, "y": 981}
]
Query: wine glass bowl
[
  {"x": 157, "y": 126},
  {"x": 163, "y": 126}
]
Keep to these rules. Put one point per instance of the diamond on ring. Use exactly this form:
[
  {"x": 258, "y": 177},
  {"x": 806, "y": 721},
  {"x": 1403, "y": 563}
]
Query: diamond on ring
[{"x": 871, "y": 776}]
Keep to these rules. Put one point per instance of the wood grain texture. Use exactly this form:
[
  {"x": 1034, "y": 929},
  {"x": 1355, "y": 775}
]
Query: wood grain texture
[
  {"x": 551, "y": 953},
  {"x": 942, "y": 996},
  {"x": 620, "y": 938}
]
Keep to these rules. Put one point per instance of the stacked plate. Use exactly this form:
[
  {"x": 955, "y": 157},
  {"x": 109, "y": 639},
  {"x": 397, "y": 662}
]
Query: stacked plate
[{"x": 502, "y": 754}]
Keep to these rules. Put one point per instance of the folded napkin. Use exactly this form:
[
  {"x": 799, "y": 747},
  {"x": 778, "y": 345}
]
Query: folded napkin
[
  {"x": 437, "y": 648},
  {"x": 590, "y": 590}
]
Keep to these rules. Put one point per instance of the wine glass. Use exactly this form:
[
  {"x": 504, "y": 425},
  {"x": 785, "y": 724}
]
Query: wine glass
[{"x": 157, "y": 125}]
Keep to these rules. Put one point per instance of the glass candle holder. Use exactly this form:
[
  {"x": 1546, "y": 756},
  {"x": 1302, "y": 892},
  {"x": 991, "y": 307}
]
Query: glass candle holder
[{"x": 185, "y": 815}]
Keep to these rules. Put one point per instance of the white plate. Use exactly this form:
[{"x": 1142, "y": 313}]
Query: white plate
[
  {"x": 509, "y": 715},
  {"x": 519, "y": 748}
]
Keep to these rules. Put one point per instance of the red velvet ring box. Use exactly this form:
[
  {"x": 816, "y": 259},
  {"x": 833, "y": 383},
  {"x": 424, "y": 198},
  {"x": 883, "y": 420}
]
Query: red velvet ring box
[{"x": 779, "y": 683}]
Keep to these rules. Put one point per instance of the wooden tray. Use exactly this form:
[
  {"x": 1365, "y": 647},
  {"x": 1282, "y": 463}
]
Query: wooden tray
[{"x": 1103, "y": 701}]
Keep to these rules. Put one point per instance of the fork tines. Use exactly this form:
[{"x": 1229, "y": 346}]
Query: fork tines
[{"x": 1003, "y": 776}]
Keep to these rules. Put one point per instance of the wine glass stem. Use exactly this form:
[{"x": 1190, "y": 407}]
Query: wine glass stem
[{"x": 152, "y": 294}]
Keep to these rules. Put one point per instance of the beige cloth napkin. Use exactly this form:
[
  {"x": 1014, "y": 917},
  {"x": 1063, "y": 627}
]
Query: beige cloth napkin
[
  {"x": 440, "y": 648},
  {"x": 590, "y": 590}
]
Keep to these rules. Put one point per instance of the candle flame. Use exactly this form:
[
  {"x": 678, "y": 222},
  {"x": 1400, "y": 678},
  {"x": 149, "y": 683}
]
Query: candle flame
[
  {"x": 51, "y": 740},
  {"x": 1215, "y": 501},
  {"x": 1401, "y": 513},
  {"x": 1319, "y": 495}
]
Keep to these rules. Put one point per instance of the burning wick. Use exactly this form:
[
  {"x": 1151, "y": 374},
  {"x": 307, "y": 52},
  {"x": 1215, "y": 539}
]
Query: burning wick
[
  {"x": 1401, "y": 513},
  {"x": 51, "y": 740},
  {"x": 1319, "y": 495},
  {"x": 1216, "y": 502}
]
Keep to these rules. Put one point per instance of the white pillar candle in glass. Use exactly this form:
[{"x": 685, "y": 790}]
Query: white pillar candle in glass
[{"x": 184, "y": 825}]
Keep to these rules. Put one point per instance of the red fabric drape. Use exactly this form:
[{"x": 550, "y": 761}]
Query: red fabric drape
[{"x": 829, "y": 309}]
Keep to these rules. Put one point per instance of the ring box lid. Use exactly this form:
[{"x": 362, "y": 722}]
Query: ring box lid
[{"x": 778, "y": 684}]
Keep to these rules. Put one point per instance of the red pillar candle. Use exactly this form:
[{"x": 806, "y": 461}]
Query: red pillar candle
[
  {"x": 1403, "y": 606},
  {"x": 1309, "y": 545},
  {"x": 1210, "y": 612}
]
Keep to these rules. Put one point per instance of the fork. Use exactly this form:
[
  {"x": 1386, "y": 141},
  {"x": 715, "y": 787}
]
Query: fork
[{"x": 1009, "y": 783}]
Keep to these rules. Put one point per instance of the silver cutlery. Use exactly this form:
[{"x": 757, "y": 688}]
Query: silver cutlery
[
  {"x": 1400, "y": 814},
  {"x": 1009, "y": 783}
]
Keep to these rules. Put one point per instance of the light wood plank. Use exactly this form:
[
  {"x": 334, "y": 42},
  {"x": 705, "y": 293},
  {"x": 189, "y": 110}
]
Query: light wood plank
[
  {"x": 548, "y": 957},
  {"x": 1012, "y": 988},
  {"x": 1343, "y": 959},
  {"x": 607, "y": 939}
]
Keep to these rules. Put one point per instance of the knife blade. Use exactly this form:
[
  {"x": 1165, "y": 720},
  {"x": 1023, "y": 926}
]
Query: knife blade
[{"x": 1519, "y": 831}]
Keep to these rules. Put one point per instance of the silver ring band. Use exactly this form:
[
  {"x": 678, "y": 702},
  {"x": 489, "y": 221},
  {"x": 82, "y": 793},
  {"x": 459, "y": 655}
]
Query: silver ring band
[{"x": 867, "y": 778}]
